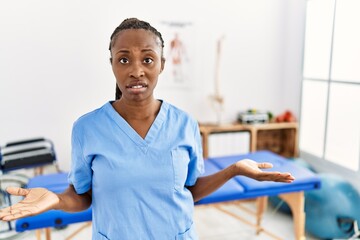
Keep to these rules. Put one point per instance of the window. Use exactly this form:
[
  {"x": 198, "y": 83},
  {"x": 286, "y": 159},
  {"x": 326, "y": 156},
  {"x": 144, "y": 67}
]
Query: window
[{"x": 330, "y": 103}]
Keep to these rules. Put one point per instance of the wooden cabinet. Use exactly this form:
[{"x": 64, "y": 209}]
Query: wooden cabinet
[{"x": 281, "y": 138}]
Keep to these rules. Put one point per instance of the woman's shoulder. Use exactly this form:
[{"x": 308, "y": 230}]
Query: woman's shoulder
[
  {"x": 175, "y": 109},
  {"x": 94, "y": 115},
  {"x": 179, "y": 113}
]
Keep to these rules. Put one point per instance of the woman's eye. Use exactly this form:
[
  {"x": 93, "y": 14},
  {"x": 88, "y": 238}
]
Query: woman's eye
[
  {"x": 148, "y": 60},
  {"x": 123, "y": 60}
]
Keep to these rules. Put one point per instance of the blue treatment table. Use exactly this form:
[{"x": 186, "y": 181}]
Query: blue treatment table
[{"x": 238, "y": 188}]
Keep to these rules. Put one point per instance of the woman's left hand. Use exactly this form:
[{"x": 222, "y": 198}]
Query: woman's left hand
[{"x": 252, "y": 169}]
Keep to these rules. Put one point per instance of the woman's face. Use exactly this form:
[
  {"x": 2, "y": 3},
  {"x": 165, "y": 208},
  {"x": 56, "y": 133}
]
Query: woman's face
[{"x": 137, "y": 62}]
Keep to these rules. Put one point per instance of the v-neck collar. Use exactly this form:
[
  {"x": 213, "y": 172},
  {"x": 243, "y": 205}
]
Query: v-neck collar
[{"x": 131, "y": 133}]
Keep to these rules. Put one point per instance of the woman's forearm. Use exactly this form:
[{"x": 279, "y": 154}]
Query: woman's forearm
[
  {"x": 245, "y": 167},
  {"x": 208, "y": 184},
  {"x": 70, "y": 201}
]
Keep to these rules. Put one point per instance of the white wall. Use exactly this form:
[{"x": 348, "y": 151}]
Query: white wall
[{"x": 54, "y": 62}]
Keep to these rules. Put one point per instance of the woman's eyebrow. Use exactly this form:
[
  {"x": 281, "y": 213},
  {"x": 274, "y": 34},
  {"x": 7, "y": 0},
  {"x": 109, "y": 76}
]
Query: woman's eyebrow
[
  {"x": 122, "y": 51},
  {"x": 142, "y": 50}
]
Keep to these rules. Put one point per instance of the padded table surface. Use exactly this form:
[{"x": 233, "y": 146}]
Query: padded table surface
[
  {"x": 56, "y": 182},
  {"x": 304, "y": 178}
]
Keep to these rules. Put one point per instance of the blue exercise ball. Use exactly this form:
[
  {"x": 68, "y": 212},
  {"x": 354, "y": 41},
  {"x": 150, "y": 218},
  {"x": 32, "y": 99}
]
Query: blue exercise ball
[
  {"x": 302, "y": 163},
  {"x": 332, "y": 209},
  {"x": 277, "y": 202}
]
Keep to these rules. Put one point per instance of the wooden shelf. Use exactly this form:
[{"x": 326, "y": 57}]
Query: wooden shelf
[{"x": 281, "y": 138}]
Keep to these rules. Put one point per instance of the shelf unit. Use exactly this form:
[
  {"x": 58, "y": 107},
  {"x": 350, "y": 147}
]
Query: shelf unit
[{"x": 280, "y": 138}]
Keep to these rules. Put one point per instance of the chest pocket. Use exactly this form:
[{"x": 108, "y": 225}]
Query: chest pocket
[{"x": 180, "y": 161}]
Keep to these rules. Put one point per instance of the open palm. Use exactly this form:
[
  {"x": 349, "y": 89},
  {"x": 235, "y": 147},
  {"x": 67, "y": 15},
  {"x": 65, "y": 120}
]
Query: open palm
[
  {"x": 37, "y": 200},
  {"x": 253, "y": 170}
]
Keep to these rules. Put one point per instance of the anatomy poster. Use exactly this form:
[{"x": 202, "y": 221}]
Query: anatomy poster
[{"x": 179, "y": 44}]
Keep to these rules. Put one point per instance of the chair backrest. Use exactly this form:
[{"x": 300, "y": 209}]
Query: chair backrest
[{"x": 27, "y": 153}]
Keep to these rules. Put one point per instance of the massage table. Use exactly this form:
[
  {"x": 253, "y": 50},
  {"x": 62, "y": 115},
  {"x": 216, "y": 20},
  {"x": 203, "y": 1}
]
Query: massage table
[
  {"x": 237, "y": 189},
  {"x": 241, "y": 188}
]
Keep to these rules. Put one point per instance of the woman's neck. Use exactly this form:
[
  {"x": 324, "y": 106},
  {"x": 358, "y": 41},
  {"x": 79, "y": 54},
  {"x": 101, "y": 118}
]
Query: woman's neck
[
  {"x": 139, "y": 116},
  {"x": 137, "y": 110}
]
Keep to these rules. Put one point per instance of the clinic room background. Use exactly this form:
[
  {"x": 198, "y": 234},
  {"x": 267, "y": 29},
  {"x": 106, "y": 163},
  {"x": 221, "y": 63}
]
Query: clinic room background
[{"x": 54, "y": 62}]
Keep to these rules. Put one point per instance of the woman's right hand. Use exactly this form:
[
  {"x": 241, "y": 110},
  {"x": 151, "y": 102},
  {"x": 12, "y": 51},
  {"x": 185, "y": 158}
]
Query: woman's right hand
[{"x": 37, "y": 200}]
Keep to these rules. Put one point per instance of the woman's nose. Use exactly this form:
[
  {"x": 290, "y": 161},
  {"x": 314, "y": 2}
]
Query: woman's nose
[{"x": 137, "y": 70}]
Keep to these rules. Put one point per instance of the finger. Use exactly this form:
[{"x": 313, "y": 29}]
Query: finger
[
  {"x": 265, "y": 165},
  {"x": 16, "y": 215},
  {"x": 16, "y": 206},
  {"x": 276, "y": 177},
  {"x": 289, "y": 177},
  {"x": 285, "y": 177},
  {"x": 6, "y": 211},
  {"x": 13, "y": 208},
  {"x": 12, "y": 217},
  {"x": 17, "y": 191},
  {"x": 269, "y": 176},
  {"x": 13, "y": 214}
]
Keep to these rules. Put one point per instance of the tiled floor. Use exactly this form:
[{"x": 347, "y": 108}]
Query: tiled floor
[{"x": 212, "y": 224}]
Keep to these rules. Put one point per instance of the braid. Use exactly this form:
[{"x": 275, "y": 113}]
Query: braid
[
  {"x": 132, "y": 23},
  {"x": 118, "y": 93}
]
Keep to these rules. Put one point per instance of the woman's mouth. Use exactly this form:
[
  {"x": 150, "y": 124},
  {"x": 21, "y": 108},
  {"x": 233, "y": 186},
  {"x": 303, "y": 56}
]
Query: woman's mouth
[{"x": 137, "y": 87}]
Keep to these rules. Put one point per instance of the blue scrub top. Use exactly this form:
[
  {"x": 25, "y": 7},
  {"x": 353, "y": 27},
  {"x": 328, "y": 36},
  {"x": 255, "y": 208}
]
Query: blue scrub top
[{"x": 138, "y": 185}]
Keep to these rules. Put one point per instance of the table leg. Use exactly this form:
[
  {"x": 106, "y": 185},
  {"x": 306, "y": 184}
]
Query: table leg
[
  {"x": 296, "y": 202},
  {"x": 38, "y": 234},
  {"x": 261, "y": 203}
]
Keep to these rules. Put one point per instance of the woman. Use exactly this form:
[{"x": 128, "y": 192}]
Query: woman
[{"x": 137, "y": 160}]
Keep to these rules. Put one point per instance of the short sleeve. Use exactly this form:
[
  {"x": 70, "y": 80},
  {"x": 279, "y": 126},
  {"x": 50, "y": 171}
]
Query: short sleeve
[
  {"x": 80, "y": 174},
  {"x": 196, "y": 164}
]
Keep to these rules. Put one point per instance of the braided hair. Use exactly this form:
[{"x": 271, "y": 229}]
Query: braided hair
[{"x": 132, "y": 23}]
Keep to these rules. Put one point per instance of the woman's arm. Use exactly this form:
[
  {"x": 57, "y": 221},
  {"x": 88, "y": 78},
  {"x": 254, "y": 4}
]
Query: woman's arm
[
  {"x": 39, "y": 200},
  {"x": 249, "y": 168},
  {"x": 70, "y": 201}
]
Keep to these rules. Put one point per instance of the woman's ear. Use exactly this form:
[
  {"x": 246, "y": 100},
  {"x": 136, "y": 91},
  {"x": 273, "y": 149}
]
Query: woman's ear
[{"x": 162, "y": 64}]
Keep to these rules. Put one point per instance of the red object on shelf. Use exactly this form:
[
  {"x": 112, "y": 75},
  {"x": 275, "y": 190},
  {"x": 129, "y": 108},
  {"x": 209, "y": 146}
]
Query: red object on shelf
[{"x": 287, "y": 116}]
